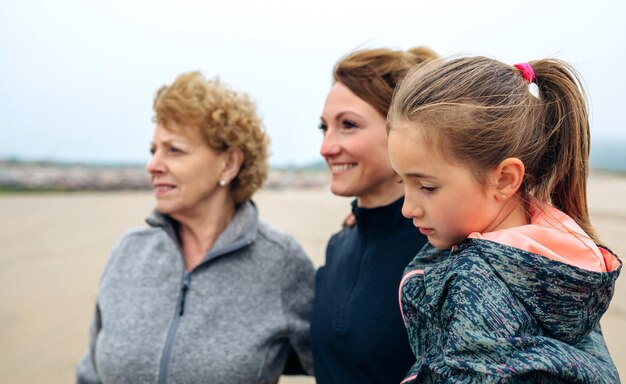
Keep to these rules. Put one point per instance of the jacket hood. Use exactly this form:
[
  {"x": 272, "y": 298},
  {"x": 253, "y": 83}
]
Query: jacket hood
[
  {"x": 564, "y": 280},
  {"x": 555, "y": 235}
]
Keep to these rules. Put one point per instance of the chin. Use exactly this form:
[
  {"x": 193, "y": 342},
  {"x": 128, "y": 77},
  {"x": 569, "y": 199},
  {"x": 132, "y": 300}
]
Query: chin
[
  {"x": 339, "y": 191},
  {"x": 165, "y": 209}
]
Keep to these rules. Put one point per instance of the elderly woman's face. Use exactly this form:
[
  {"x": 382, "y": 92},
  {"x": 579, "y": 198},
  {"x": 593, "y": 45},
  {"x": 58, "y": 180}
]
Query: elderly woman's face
[
  {"x": 184, "y": 172},
  {"x": 355, "y": 149}
]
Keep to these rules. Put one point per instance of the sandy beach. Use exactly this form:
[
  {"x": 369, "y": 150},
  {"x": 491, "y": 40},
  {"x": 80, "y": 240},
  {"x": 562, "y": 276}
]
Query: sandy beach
[{"x": 55, "y": 246}]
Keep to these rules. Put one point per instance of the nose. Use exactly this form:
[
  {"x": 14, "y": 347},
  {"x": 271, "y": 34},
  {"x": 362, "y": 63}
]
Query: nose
[
  {"x": 155, "y": 165},
  {"x": 330, "y": 145},
  {"x": 411, "y": 208}
]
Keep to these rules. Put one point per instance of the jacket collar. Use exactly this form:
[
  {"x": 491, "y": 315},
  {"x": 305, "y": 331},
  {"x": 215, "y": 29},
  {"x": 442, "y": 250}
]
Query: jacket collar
[
  {"x": 379, "y": 221},
  {"x": 241, "y": 232}
]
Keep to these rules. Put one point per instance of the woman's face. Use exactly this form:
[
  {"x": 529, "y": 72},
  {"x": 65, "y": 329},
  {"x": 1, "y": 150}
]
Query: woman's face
[
  {"x": 355, "y": 149},
  {"x": 184, "y": 172}
]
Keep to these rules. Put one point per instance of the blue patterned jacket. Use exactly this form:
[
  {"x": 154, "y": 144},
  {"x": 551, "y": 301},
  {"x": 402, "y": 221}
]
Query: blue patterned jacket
[{"x": 491, "y": 313}]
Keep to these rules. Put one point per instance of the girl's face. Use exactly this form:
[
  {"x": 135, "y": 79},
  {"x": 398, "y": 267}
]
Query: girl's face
[
  {"x": 355, "y": 149},
  {"x": 444, "y": 199}
]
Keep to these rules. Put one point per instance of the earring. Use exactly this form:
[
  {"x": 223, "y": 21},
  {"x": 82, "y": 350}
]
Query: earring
[{"x": 223, "y": 183}]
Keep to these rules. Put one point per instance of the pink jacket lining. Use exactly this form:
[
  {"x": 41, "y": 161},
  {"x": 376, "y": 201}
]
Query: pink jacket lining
[{"x": 555, "y": 235}]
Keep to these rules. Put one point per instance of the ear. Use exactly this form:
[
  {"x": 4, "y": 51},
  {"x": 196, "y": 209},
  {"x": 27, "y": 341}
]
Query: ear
[
  {"x": 507, "y": 177},
  {"x": 233, "y": 158}
]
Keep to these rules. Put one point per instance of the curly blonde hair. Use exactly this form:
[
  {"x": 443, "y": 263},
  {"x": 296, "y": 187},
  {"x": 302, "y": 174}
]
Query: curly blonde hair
[{"x": 224, "y": 119}]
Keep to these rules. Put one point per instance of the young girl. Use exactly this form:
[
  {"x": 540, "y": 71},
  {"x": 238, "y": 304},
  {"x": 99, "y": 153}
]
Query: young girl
[{"x": 494, "y": 161}]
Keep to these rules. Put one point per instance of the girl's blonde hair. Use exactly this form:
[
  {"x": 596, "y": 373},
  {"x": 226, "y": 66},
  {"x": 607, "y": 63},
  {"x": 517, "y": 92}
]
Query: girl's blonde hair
[{"x": 479, "y": 111}]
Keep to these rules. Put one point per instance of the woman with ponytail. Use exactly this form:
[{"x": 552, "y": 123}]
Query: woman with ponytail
[
  {"x": 512, "y": 285},
  {"x": 357, "y": 335}
]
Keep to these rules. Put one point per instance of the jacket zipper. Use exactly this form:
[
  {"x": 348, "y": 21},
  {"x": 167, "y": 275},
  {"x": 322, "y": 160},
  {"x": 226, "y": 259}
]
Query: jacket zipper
[
  {"x": 186, "y": 282},
  {"x": 169, "y": 341},
  {"x": 183, "y": 293},
  {"x": 180, "y": 311}
]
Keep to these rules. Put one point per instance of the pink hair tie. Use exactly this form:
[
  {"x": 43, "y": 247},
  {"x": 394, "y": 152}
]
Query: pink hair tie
[
  {"x": 529, "y": 75},
  {"x": 527, "y": 71}
]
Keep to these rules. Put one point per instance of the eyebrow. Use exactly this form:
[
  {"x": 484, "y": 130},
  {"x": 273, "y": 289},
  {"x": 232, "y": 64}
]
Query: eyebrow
[
  {"x": 341, "y": 114},
  {"x": 420, "y": 176},
  {"x": 416, "y": 175},
  {"x": 173, "y": 142}
]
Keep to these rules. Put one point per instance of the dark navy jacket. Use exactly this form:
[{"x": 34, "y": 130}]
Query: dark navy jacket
[{"x": 357, "y": 334}]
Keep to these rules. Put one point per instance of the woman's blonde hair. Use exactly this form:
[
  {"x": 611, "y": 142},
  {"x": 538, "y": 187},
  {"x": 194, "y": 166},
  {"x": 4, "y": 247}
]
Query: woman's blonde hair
[
  {"x": 223, "y": 118},
  {"x": 479, "y": 111},
  {"x": 372, "y": 74}
]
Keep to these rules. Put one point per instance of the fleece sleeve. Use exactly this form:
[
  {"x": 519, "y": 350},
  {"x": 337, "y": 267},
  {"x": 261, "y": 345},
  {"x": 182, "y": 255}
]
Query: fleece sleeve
[
  {"x": 86, "y": 371},
  {"x": 297, "y": 299}
]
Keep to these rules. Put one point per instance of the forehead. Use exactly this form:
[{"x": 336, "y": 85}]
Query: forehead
[
  {"x": 412, "y": 157},
  {"x": 176, "y": 132},
  {"x": 410, "y": 152},
  {"x": 409, "y": 133},
  {"x": 341, "y": 98}
]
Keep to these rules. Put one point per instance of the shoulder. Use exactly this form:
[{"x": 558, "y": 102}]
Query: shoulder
[
  {"x": 135, "y": 242},
  {"x": 342, "y": 234},
  {"x": 460, "y": 265},
  {"x": 463, "y": 278},
  {"x": 140, "y": 233},
  {"x": 276, "y": 243},
  {"x": 296, "y": 270},
  {"x": 139, "y": 237},
  {"x": 272, "y": 237},
  {"x": 440, "y": 266},
  {"x": 345, "y": 235}
]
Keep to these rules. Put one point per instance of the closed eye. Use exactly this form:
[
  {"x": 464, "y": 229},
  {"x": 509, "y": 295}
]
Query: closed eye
[{"x": 428, "y": 189}]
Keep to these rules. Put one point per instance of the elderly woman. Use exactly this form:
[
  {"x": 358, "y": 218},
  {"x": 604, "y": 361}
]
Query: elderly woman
[
  {"x": 206, "y": 293},
  {"x": 357, "y": 333}
]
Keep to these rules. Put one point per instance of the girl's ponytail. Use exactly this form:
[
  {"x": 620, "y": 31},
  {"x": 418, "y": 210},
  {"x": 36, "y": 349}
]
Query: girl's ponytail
[{"x": 561, "y": 174}]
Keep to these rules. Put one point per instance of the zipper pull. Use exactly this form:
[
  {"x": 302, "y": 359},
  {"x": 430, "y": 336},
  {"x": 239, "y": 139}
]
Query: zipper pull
[{"x": 184, "y": 289}]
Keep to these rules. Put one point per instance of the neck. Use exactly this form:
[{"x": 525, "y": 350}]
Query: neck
[
  {"x": 512, "y": 214},
  {"x": 199, "y": 233}
]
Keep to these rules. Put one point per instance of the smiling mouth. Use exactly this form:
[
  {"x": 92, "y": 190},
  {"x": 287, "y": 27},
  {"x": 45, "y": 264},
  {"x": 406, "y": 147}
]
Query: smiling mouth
[{"x": 341, "y": 167}]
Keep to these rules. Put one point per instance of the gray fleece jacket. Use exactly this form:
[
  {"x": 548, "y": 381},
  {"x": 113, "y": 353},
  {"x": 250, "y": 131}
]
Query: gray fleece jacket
[{"x": 232, "y": 319}]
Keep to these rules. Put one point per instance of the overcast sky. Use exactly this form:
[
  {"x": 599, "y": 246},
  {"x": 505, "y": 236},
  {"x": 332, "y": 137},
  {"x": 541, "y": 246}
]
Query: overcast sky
[{"x": 77, "y": 78}]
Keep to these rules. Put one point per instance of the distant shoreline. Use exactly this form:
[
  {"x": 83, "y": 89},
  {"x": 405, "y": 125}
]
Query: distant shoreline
[
  {"x": 607, "y": 155},
  {"x": 52, "y": 177}
]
